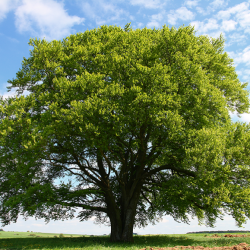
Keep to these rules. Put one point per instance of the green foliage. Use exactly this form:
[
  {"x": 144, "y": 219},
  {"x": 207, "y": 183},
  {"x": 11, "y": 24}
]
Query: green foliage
[{"x": 119, "y": 117}]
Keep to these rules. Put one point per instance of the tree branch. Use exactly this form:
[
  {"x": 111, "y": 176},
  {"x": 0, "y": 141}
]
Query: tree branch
[
  {"x": 146, "y": 199},
  {"x": 170, "y": 167},
  {"x": 70, "y": 204}
]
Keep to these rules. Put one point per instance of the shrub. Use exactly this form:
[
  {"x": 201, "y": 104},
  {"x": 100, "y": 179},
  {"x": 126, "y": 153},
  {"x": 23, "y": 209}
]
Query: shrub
[
  {"x": 61, "y": 235},
  {"x": 31, "y": 235}
]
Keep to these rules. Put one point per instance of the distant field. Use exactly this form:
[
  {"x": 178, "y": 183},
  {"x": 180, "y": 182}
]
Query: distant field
[
  {"x": 7, "y": 234},
  {"x": 23, "y": 240}
]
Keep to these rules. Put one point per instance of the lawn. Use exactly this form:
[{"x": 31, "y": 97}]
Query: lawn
[{"x": 33, "y": 240}]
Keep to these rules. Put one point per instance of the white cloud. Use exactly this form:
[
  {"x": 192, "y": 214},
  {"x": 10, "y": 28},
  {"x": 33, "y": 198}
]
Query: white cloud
[
  {"x": 201, "y": 11},
  {"x": 241, "y": 57},
  {"x": 213, "y": 6},
  {"x": 244, "y": 74},
  {"x": 140, "y": 25},
  {"x": 209, "y": 27},
  {"x": 149, "y": 4},
  {"x": 88, "y": 10},
  {"x": 217, "y": 4},
  {"x": 191, "y": 3},
  {"x": 225, "y": 14},
  {"x": 38, "y": 225},
  {"x": 45, "y": 18},
  {"x": 244, "y": 20},
  {"x": 12, "y": 93},
  {"x": 4, "y": 92},
  {"x": 228, "y": 25},
  {"x": 245, "y": 118},
  {"x": 6, "y": 6},
  {"x": 238, "y": 13},
  {"x": 203, "y": 27},
  {"x": 103, "y": 12},
  {"x": 164, "y": 220},
  {"x": 158, "y": 16},
  {"x": 153, "y": 24},
  {"x": 216, "y": 34},
  {"x": 182, "y": 13},
  {"x": 239, "y": 72},
  {"x": 155, "y": 20}
]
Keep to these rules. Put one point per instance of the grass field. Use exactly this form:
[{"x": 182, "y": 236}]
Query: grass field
[{"x": 33, "y": 240}]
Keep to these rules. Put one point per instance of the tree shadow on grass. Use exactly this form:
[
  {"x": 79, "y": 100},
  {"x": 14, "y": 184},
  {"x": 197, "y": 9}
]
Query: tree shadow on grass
[
  {"x": 96, "y": 242},
  {"x": 85, "y": 242}
]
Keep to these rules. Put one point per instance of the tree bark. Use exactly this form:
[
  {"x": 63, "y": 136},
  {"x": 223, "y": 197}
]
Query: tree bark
[
  {"x": 122, "y": 219},
  {"x": 122, "y": 230}
]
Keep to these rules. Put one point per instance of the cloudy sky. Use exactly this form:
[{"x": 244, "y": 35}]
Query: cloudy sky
[{"x": 21, "y": 20}]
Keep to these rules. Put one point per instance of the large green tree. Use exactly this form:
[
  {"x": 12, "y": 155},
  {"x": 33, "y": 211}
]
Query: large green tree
[{"x": 127, "y": 126}]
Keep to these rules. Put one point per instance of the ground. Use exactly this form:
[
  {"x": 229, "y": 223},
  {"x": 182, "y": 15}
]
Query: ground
[{"x": 241, "y": 246}]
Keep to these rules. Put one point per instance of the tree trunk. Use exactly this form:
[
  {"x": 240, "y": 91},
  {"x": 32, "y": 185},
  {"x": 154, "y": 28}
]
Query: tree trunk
[
  {"x": 122, "y": 219},
  {"x": 122, "y": 230}
]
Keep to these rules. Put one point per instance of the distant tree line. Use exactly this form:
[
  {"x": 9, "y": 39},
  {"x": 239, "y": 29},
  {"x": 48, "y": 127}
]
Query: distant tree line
[{"x": 228, "y": 231}]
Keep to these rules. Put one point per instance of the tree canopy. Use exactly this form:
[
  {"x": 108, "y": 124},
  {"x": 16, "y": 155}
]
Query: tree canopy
[{"x": 127, "y": 126}]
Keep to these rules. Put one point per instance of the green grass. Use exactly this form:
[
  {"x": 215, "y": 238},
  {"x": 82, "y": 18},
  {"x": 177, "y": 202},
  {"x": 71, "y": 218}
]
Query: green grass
[
  {"x": 22, "y": 240},
  {"x": 7, "y": 234}
]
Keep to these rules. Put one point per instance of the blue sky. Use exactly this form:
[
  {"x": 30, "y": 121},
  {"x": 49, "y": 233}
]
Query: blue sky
[{"x": 21, "y": 20}]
